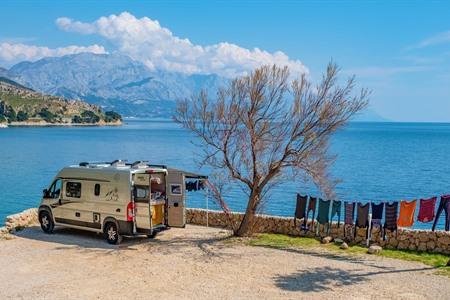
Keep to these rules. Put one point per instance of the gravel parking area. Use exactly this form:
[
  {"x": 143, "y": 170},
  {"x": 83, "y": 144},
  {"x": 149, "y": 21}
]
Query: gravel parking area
[{"x": 198, "y": 263}]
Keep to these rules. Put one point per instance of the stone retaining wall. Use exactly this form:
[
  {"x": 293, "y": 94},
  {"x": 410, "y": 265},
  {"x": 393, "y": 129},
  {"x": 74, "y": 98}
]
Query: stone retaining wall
[{"x": 421, "y": 240}]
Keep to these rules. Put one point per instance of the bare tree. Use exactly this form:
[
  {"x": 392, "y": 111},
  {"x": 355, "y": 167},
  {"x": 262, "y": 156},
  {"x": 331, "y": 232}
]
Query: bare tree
[{"x": 263, "y": 128}]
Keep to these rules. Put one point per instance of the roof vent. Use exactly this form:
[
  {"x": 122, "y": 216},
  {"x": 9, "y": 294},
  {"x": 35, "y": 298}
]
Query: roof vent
[
  {"x": 119, "y": 163},
  {"x": 139, "y": 164}
]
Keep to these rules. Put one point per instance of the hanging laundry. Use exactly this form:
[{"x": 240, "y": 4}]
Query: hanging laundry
[
  {"x": 426, "y": 210},
  {"x": 390, "y": 218},
  {"x": 406, "y": 215},
  {"x": 191, "y": 186},
  {"x": 444, "y": 206},
  {"x": 336, "y": 211},
  {"x": 349, "y": 213},
  {"x": 300, "y": 208},
  {"x": 323, "y": 217},
  {"x": 349, "y": 218},
  {"x": 362, "y": 217},
  {"x": 377, "y": 214},
  {"x": 201, "y": 185},
  {"x": 311, "y": 207}
]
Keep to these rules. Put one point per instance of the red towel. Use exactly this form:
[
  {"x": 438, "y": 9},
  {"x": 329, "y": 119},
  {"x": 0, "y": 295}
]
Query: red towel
[{"x": 427, "y": 210}]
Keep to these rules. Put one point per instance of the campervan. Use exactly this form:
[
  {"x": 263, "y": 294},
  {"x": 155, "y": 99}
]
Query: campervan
[{"x": 116, "y": 199}]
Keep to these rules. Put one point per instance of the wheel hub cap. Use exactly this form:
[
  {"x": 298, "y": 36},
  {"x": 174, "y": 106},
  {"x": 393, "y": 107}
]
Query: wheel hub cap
[
  {"x": 45, "y": 221},
  {"x": 111, "y": 233}
]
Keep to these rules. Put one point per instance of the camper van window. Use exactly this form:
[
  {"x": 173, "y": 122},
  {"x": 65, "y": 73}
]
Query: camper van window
[
  {"x": 55, "y": 189},
  {"x": 97, "y": 189},
  {"x": 142, "y": 193},
  {"x": 73, "y": 189}
]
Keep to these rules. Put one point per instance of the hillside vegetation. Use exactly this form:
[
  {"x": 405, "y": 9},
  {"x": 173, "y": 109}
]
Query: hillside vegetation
[{"x": 23, "y": 106}]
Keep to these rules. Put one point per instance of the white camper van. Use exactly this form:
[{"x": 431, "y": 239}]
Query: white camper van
[{"x": 116, "y": 199}]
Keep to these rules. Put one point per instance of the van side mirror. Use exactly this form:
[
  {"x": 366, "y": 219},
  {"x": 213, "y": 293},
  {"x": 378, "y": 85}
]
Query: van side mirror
[{"x": 45, "y": 193}]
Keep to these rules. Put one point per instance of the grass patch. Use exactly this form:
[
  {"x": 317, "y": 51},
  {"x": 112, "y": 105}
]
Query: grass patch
[{"x": 280, "y": 241}]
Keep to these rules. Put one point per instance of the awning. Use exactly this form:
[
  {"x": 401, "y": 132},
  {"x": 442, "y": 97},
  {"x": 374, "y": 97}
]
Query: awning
[{"x": 187, "y": 174}]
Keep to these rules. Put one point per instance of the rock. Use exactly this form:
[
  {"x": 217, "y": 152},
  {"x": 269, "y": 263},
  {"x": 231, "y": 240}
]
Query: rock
[
  {"x": 327, "y": 240},
  {"x": 445, "y": 240},
  {"x": 344, "y": 246},
  {"x": 374, "y": 249},
  {"x": 424, "y": 237},
  {"x": 338, "y": 241},
  {"x": 431, "y": 245},
  {"x": 402, "y": 245},
  {"x": 422, "y": 247}
]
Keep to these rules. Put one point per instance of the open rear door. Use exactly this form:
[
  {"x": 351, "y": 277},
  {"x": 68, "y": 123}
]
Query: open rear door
[
  {"x": 142, "y": 197},
  {"x": 176, "y": 212}
]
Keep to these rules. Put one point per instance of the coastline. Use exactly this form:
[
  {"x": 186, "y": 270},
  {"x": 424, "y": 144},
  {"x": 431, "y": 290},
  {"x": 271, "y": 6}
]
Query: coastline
[{"x": 47, "y": 124}]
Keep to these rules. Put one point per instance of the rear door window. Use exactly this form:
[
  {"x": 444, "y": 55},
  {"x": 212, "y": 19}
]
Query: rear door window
[{"x": 142, "y": 193}]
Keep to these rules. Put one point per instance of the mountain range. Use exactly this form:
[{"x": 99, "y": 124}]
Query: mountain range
[
  {"x": 117, "y": 82},
  {"x": 112, "y": 81}
]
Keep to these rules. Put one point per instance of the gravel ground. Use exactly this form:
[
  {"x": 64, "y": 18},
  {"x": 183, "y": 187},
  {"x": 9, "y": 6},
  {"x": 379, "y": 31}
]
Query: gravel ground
[{"x": 198, "y": 263}]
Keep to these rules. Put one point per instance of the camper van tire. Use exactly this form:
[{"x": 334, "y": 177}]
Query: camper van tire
[
  {"x": 46, "y": 221},
  {"x": 111, "y": 232},
  {"x": 151, "y": 236}
]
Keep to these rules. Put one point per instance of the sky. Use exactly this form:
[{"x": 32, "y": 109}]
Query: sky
[{"x": 400, "y": 50}]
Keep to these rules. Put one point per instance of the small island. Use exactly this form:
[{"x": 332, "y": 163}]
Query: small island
[{"x": 22, "y": 106}]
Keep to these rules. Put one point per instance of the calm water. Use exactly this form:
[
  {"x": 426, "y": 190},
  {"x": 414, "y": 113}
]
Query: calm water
[{"x": 377, "y": 161}]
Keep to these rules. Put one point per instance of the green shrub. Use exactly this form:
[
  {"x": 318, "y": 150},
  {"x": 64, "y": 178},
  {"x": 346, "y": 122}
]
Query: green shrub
[
  {"x": 47, "y": 115},
  {"x": 22, "y": 116},
  {"x": 112, "y": 116},
  {"x": 89, "y": 117}
]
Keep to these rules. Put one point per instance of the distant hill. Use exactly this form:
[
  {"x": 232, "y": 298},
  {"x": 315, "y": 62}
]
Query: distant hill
[
  {"x": 20, "y": 105},
  {"x": 369, "y": 115},
  {"x": 111, "y": 81}
]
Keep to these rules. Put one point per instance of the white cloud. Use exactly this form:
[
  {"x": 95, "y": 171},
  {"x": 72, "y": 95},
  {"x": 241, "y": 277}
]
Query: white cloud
[
  {"x": 440, "y": 38},
  {"x": 11, "y": 53},
  {"x": 145, "y": 40}
]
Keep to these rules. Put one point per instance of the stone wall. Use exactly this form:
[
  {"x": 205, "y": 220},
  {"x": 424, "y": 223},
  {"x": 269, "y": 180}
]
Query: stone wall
[{"x": 421, "y": 240}]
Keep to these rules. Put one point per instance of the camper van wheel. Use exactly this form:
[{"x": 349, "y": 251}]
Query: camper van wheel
[
  {"x": 46, "y": 221},
  {"x": 151, "y": 236},
  {"x": 112, "y": 233}
]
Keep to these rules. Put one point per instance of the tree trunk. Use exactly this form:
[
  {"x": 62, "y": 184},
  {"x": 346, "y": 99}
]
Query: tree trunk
[{"x": 246, "y": 226}]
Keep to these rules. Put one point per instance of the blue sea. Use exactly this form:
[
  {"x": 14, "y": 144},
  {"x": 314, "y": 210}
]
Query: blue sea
[{"x": 376, "y": 161}]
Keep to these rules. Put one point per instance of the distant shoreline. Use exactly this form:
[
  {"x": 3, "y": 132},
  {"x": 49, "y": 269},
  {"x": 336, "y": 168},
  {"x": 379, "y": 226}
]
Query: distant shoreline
[{"x": 47, "y": 124}]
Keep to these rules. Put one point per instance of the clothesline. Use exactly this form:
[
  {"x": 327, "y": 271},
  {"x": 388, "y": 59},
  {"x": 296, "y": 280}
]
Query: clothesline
[{"x": 394, "y": 216}]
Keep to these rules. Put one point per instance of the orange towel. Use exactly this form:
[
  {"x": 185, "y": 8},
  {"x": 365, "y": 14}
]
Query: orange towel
[{"x": 406, "y": 216}]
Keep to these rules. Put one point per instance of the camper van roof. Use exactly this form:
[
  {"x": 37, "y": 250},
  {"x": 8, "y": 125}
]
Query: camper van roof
[{"x": 122, "y": 165}]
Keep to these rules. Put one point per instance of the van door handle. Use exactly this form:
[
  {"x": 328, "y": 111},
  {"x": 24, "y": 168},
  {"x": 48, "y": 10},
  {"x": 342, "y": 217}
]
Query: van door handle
[
  {"x": 77, "y": 214},
  {"x": 118, "y": 210}
]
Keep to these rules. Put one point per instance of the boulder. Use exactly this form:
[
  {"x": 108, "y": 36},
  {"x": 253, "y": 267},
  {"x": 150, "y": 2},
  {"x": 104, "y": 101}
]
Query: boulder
[
  {"x": 327, "y": 239},
  {"x": 338, "y": 241},
  {"x": 374, "y": 249},
  {"x": 344, "y": 246}
]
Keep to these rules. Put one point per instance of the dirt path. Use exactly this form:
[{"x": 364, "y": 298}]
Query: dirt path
[{"x": 198, "y": 263}]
